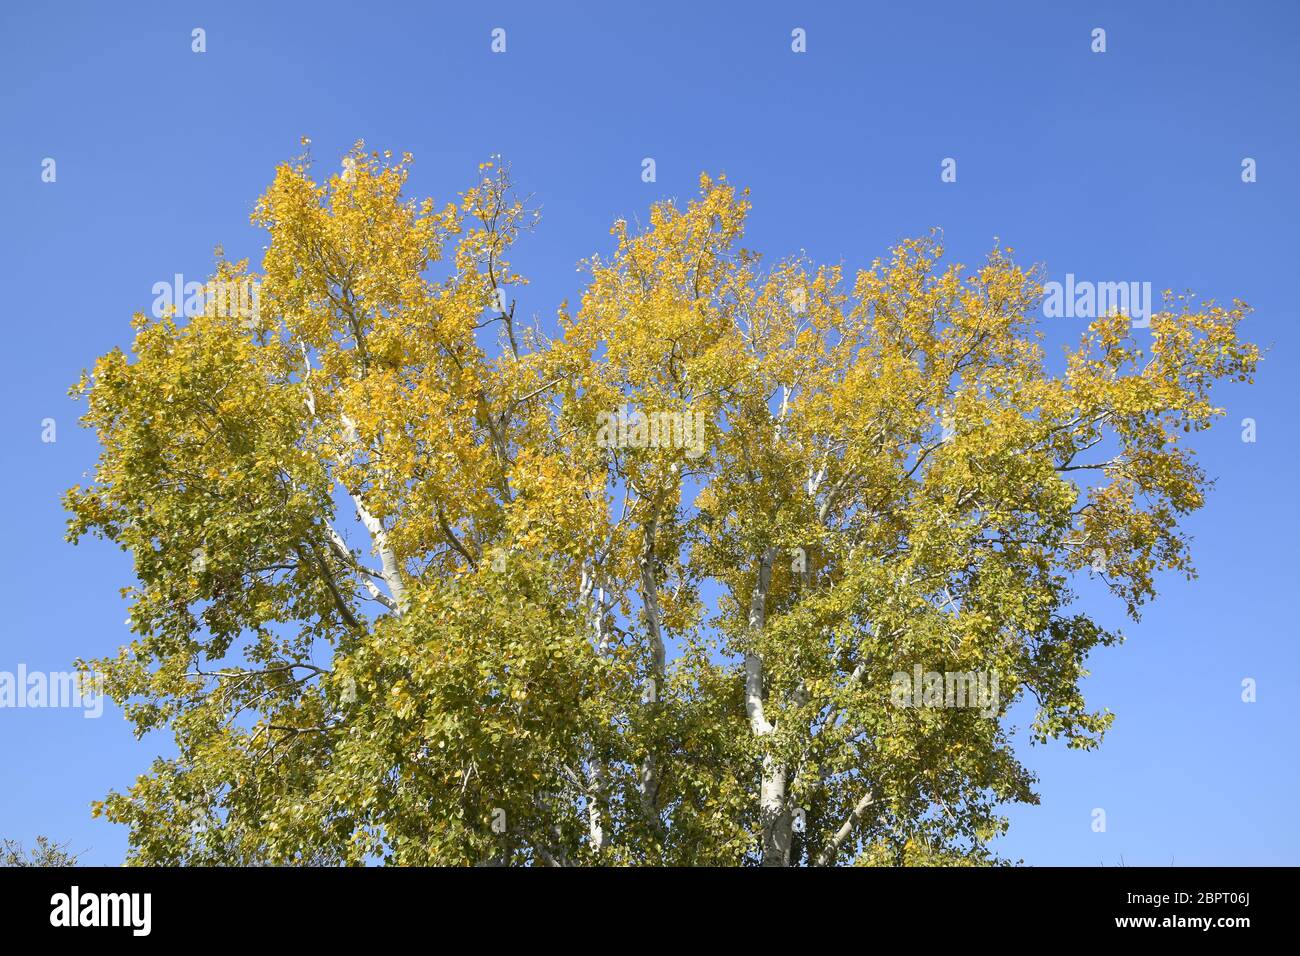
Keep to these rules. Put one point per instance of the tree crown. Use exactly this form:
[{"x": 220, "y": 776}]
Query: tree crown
[{"x": 637, "y": 591}]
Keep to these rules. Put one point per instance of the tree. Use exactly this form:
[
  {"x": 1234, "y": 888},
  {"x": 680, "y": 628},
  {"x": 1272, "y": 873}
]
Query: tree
[
  {"x": 45, "y": 853},
  {"x": 638, "y": 593}
]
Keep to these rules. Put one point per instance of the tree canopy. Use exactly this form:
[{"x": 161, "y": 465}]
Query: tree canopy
[
  {"x": 44, "y": 852},
  {"x": 421, "y": 582}
]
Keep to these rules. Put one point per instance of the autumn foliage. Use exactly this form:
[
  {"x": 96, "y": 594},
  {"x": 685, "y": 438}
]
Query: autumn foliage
[{"x": 396, "y": 601}]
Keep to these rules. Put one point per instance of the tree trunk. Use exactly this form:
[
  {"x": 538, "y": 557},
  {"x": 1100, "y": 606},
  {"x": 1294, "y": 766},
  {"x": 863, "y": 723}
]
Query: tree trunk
[{"x": 774, "y": 815}]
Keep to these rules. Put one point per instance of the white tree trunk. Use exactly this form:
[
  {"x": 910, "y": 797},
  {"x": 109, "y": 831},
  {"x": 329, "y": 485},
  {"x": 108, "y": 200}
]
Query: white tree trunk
[
  {"x": 774, "y": 814},
  {"x": 649, "y": 784},
  {"x": 391, "y": 572}
]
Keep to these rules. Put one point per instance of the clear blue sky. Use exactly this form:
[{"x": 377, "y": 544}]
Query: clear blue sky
[{"x": 1117, "y": 166}]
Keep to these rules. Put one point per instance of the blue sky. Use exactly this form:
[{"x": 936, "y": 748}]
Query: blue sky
[{"x": 1124, "y": 165}]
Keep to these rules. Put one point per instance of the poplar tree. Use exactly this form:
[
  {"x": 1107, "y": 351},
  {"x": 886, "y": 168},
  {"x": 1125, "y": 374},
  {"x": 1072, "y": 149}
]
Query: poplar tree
[{"x": 395, "y": 600}]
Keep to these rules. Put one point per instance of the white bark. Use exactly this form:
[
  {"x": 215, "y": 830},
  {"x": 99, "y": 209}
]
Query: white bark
[
  {"x": 391, "y": 573},
  {"x": 592, "y": 596},
  {"x": 649, "y": 784},
  {"x": 379, "y": 537},
  {"x": 595, "y": 826},
  {"x": 828, "y": 853},
  {"x": 343, "y": 551},
  {"x": 754, "y": 695},
  {"x": 774, "y": 813},
  {"x": 753, "y": 662}
]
